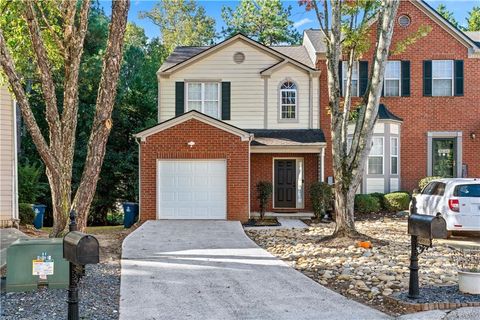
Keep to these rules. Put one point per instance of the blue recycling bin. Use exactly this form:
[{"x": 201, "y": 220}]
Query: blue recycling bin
[
  {"x": 130, "y": 214},
  {"x": 39, "y": 210}
]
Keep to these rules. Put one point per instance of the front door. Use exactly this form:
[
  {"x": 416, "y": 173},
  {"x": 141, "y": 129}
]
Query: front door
[
  {"x": 285, "y": 188},
  {"x": 444, "y": 157}
]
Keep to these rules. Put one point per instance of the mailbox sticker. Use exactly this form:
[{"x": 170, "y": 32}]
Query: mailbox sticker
[{"x": 43, "y": 266}]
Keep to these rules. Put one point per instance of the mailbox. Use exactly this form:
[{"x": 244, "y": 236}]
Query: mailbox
[
  {"x": 80, "y": 248},
  {"x": 427, "y": 227}
]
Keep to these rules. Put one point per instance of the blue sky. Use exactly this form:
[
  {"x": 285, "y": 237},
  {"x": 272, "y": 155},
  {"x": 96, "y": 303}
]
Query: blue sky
[{"x": 303, "y": 20}]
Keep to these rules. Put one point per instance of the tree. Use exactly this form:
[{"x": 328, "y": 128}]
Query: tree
[
  {"x": 181, "y": 23},
  {"x": 473, "y": 19},
  {"x": 346, "y": 28},
  {"x": 266, "y": 21},
  {"x": 448, "y": 15},
  {"x": 65, "y": 24}
]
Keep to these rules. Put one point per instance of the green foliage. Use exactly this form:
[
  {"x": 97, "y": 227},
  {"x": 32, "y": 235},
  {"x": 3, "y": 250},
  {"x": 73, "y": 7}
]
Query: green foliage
[
  {"x": 264, "y": 190},
  {"x": 365, "y": 203},
  {"x": 381, "y": 199},
  {"x": 473, "y": 19},
  {"x": 397, "y": 201},
  {"x": 423, "y": 182},
  {"x": 448, "y": 15},
  {"x": 321, "y": 196},
  {"x": 402, "y": 45},
  {"x": 30, "y": 188},
  {"x": 266, "y": 21},
  {"x": 26, "y": 214},
  {"x": 182, "y": 23}
]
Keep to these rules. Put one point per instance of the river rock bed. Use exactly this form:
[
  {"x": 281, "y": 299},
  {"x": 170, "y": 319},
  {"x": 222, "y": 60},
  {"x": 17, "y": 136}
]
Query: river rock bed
[{"x": 432, "y": 294}]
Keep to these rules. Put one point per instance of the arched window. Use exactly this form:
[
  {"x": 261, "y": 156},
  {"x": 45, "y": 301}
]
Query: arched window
[{"x": 288, "y": 101}]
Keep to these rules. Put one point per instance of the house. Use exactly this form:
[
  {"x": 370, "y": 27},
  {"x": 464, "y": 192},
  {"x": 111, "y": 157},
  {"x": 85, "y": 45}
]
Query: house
[
  {"x": 237, "y": 113},
  {"x": 230, "y": 116},
  {"x": 8, "y": 160},
  {"x": 429, "y": 117}
]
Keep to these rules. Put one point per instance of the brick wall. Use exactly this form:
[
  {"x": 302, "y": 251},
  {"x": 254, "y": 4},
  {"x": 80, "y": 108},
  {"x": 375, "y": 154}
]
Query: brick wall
[
  {"x": 210, "y": 143},
  {"x": 261, "y": 169},
  {"x": 424, "y": 114}
]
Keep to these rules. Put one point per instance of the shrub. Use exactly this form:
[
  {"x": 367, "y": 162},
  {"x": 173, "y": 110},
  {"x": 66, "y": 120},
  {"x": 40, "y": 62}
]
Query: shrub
[
  {"x": 26, "y": 214},
  {"x": 321, "y": 195},
  {"x": 29, "y": 186},
  {"x": 381, "y": 199},
  {"x": 365, "y": 203},
  {"x": 423, "y": 182},
  {"x": 264, "y": 189},
  {"x": 397, "y": 201}
]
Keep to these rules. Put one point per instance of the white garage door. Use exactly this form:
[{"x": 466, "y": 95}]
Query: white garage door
[{"x": 191, "y": 189}]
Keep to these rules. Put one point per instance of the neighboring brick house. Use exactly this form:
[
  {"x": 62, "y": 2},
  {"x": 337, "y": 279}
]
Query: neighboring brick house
[
  {"x": 432, "y": 95},
  {"x": 230, "y": 116}
]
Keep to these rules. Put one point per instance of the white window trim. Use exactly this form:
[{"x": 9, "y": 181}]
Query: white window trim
[
  {"x": 382, "y": 155},
  {"x": 202, "y": 92},
  {"x": 393, "y": 155},
  {"x": 344, "y": 78},
  {"x": 280, "y": 113},
  {"x": 452, "y": 77},
  {"x": 399, "y": 80}
]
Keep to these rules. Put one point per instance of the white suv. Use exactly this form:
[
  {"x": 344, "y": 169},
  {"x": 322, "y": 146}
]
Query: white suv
[{"x": 457, "y": 200}]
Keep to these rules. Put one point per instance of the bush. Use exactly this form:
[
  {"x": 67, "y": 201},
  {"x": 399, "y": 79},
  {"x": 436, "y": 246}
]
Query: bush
[
  {"x": 397, "y": 201},
  {"x": 321, "y": 195},
  {"x": 264, "y": 189},
  {"x": 365, "y": 203},
  {"x": 26, "y": 214},
  {"x": 29, "y": 186},
  {"x": 381, "y": 199},
  {"x": 423, "y": 182}
]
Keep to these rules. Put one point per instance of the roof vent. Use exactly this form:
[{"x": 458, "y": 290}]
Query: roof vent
[
  {"x": 238, "y": 57},
  {"x": 404, "y": 20}
]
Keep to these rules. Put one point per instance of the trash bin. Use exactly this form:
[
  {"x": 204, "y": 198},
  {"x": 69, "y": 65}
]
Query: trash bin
[
  {"x": 39, "y": 210},
  {"x": 130, "y": 214}
]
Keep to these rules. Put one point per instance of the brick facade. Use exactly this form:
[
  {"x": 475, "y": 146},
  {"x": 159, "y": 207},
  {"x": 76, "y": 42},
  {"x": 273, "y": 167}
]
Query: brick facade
[
  {"x": 423, "y": 114},
  {"x": 210, "y": 143},
  {"x": 261, "y": 169}
]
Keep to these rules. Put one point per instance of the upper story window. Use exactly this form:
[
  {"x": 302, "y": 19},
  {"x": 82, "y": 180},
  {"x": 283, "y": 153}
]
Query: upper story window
[
  {"x": 442, "y": 77},
  {"x": 355, "y": 74},
  {"x": 204, "y": 97},
  {"x": 375, "y": 158},
  {"x": 391, "y": 82},
  {"x": 288, "y": 101}
]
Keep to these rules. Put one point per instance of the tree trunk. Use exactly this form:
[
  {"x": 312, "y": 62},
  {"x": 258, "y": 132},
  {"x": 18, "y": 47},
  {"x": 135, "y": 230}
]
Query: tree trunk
[
  {"x": 60, "y": 188},
  {"x": 345, "y": 223}
]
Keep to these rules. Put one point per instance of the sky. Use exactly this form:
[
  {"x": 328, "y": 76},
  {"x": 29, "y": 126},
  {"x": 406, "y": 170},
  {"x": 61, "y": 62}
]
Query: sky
[{"x": 302, "y": 19}]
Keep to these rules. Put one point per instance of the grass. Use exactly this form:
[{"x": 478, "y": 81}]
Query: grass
[{"x": 94, "y": 230}]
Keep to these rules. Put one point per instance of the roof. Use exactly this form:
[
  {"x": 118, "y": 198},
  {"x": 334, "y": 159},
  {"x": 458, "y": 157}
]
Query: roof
[
  {"x": 385, "y": 114},
  {"x": 474, "y": 35},
  {"x": 295, "y": 54},
  {"x": 317, "y": 37},
  {"x": 286, "y": 137}
]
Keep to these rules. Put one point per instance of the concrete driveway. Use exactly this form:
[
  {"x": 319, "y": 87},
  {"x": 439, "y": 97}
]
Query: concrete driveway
[{"x": 212, "y": 270}]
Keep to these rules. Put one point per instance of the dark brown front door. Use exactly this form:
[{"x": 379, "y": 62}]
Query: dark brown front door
[{"x": 285, "y": 184}]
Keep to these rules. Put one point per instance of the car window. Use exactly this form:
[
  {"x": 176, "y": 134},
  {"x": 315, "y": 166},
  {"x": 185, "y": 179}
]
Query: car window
[
  {"x": 439, "y": 189},
  {"x": 428, "y": 190},
  {"x": 467, "y": 190}
]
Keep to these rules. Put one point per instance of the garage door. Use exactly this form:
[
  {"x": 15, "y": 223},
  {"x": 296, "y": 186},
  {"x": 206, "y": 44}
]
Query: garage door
[{"x": 191, "y": 189}]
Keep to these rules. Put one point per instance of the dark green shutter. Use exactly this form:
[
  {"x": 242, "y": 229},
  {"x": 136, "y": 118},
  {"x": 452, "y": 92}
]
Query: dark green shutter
[
  {"x": 405, "y": 74},
  {"x": 458, "y": 78},
  {"x": 427, "y": 78},
  {"x": 179, "y": 98},
  {"x": 340, "y": 77},
  {"x": 362, "y": 77},
  {"x": 225, "y": 100}
]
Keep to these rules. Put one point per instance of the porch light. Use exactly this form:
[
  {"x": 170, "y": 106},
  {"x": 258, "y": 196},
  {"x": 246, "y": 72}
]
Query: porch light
[{"x": 191, "y": 144}]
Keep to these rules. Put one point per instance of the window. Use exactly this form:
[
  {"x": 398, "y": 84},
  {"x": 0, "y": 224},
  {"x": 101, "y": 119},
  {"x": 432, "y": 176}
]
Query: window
[
  {"x": 404, "y": 20},
  {"x": 354, "y": 78},
  {"x": 442, "y": 77},
  {"x": 204, "y": 97},
  {"x": 394, "y": 155},
  {"x": 288, "y": 101},
  {"x": 375, "y": 159},
  {"x": 391, "y": 83},
  {"x": 430, "y": 188},
  {"x": 467, "y": 190}
]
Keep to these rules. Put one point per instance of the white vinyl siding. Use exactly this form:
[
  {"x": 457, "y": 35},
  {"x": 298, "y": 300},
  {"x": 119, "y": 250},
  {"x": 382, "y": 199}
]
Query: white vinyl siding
[
  {"x": 355, "y": 75},
  {"x": 442, "y": 78},
  {"x": 391, "y": 83},
  {"x": 204, "y": 97},
  {"x": 375, "y": 185},
  {"x": 375, "y": 159}
]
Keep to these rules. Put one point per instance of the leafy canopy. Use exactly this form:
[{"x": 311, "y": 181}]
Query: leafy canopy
[
  {"x": 266, "y": 21},
  {"x": 473, "y": 19},
  {"x": 448, "y": 15}
]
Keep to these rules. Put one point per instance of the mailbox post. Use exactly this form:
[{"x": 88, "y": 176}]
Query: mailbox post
[
  {"x": 79, "y": 249},
  {"x": 422, "y": 229}
]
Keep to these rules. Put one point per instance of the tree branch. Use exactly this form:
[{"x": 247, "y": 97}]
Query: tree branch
[{"x": 58, "y": 41}]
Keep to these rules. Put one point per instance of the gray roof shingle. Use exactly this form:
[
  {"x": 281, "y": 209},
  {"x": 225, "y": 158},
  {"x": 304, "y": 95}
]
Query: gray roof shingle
[
  {"x": 474, "y": 35},
  {"x": 286, "y": 137},
  {"x": 298, "y": 53},
  {"x": 318, "y": 39}
]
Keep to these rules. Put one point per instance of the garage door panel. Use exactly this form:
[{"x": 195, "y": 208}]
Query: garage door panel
[{"x": 191, "y": 189}]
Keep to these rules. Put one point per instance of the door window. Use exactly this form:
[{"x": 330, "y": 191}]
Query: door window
[
  {"x": 429, "y": 189},
  {"x": 443, "y": 157}
]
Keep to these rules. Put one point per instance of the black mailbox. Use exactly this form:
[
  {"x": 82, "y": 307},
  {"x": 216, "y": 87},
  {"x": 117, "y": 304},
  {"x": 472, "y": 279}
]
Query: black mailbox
[
  {"x": 80, "y": 248},
  {"x": 427, "y": 227}
]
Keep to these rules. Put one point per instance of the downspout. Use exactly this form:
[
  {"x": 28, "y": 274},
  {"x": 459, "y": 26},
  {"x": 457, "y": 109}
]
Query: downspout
[
  {"x": 139, "y": 180},
  {"x": 249, "y": 175},
  {"x": 15, "y": 165},
  {"x": 322, "y": 165},
  {"x": 310, "y": 100}
]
